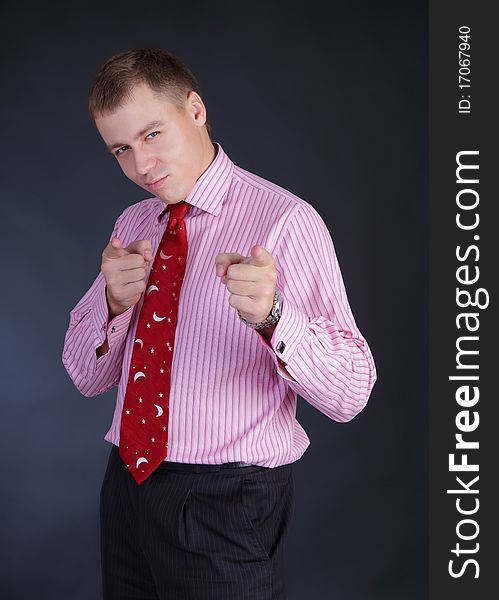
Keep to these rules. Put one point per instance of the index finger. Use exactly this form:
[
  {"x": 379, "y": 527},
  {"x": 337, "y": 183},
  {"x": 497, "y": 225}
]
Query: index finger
[
  {"x": 225, "y": 259},
  {"x": 139, "y": 247}
]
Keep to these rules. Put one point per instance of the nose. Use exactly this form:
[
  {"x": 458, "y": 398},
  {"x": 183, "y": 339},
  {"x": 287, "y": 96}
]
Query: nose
[{"x": 144, "y": 161}]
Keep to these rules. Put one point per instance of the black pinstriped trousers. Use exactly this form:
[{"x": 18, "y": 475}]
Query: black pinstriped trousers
[{"x": 195, "y": 536}]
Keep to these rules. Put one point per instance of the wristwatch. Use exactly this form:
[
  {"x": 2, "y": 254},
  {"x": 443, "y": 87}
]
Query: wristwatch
[{"x": 273, "y": 317}]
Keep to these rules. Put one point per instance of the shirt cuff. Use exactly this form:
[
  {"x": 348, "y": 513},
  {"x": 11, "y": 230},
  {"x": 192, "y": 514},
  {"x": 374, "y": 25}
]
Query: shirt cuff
[
  {"x": 287, "y": 335},
  {"x": 113, "y": 329}
]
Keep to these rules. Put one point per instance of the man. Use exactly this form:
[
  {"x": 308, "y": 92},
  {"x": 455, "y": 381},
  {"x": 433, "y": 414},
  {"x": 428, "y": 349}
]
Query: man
[{"x": 219, "y": 299}]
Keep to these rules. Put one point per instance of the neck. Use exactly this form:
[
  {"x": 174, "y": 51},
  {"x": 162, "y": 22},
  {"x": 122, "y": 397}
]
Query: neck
[{"x": 210, "y": 151}]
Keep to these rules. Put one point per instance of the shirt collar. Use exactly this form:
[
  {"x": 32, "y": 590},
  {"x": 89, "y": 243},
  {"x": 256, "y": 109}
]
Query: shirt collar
[{"x": 211, "y": 187}]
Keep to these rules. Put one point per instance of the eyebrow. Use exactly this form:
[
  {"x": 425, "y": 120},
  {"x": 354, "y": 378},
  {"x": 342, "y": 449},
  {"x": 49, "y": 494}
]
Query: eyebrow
[{"x": 136, "y": 137}]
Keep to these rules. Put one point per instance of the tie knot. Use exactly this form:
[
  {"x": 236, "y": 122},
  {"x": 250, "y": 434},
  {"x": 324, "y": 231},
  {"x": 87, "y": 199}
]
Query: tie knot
[{"x": 177, "y": 212}]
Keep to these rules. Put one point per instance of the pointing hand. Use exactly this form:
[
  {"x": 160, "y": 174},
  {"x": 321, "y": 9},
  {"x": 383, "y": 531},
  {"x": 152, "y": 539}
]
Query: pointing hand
[
  {"x": 251, "y": 281},
  {"x": 125, "y": 271}
]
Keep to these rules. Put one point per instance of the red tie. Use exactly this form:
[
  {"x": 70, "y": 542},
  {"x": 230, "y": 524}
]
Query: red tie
[{"x": 144, "y": 420}]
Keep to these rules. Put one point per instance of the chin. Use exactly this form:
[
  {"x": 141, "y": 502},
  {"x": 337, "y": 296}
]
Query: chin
[
  {"x": 167, "y": 200},
  {"x": 170, "y": 198}
]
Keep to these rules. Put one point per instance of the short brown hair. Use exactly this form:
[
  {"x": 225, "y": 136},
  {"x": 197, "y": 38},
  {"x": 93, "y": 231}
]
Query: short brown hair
[{"x": 161, "y": 70}]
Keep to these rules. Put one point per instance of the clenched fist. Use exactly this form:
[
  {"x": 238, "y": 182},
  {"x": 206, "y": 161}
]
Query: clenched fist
[{"x": 125, "y": 270}]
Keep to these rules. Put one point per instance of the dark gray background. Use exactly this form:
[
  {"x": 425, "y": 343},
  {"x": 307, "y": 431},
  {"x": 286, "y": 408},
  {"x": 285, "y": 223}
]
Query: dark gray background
[{"x": 326, "y": 99}]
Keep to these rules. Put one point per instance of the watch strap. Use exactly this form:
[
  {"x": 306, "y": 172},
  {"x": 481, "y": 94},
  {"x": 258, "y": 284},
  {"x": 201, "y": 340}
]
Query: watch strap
[{"x": 274, "y": 315}]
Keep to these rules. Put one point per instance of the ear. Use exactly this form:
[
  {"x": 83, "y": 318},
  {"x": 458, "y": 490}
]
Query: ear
[{"x": 196, "y": 108}]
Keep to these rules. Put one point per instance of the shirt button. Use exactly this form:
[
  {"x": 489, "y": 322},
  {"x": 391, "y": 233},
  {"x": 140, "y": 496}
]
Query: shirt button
[
  {"x": 280, "y": 347},
  {"x": 103, "y": 328},
  {"x": 113, "y": 328}
]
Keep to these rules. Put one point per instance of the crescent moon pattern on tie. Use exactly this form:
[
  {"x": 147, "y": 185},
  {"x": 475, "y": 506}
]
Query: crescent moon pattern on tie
[{"x": 143, "y": 440}]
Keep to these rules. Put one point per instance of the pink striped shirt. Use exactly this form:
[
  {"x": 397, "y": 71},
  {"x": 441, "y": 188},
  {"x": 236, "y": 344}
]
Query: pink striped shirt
[{"x": 230, "y": 398}]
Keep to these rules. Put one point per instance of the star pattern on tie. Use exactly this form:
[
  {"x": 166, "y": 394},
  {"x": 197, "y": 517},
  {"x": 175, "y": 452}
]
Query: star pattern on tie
[{"x": 143, "y": 431}]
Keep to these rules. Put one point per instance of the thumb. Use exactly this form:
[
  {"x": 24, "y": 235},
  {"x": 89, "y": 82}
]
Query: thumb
[
  {"x": 116, "y": 243},
  {"x": 260, "y": 256},
  {"x": 115, "y": 248}
]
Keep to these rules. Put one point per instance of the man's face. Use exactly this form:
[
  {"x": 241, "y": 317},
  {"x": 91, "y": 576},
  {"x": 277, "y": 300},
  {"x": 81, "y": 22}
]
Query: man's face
[{"x": 174, "y": 146}]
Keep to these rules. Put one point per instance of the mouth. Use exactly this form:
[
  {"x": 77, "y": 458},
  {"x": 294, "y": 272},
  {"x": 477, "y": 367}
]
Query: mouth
[{"x": 154, "y": 185}]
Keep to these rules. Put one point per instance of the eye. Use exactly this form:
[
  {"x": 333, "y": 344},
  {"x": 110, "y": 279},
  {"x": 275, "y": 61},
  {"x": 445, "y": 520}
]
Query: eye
[{"x": 119, "y": 153}]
